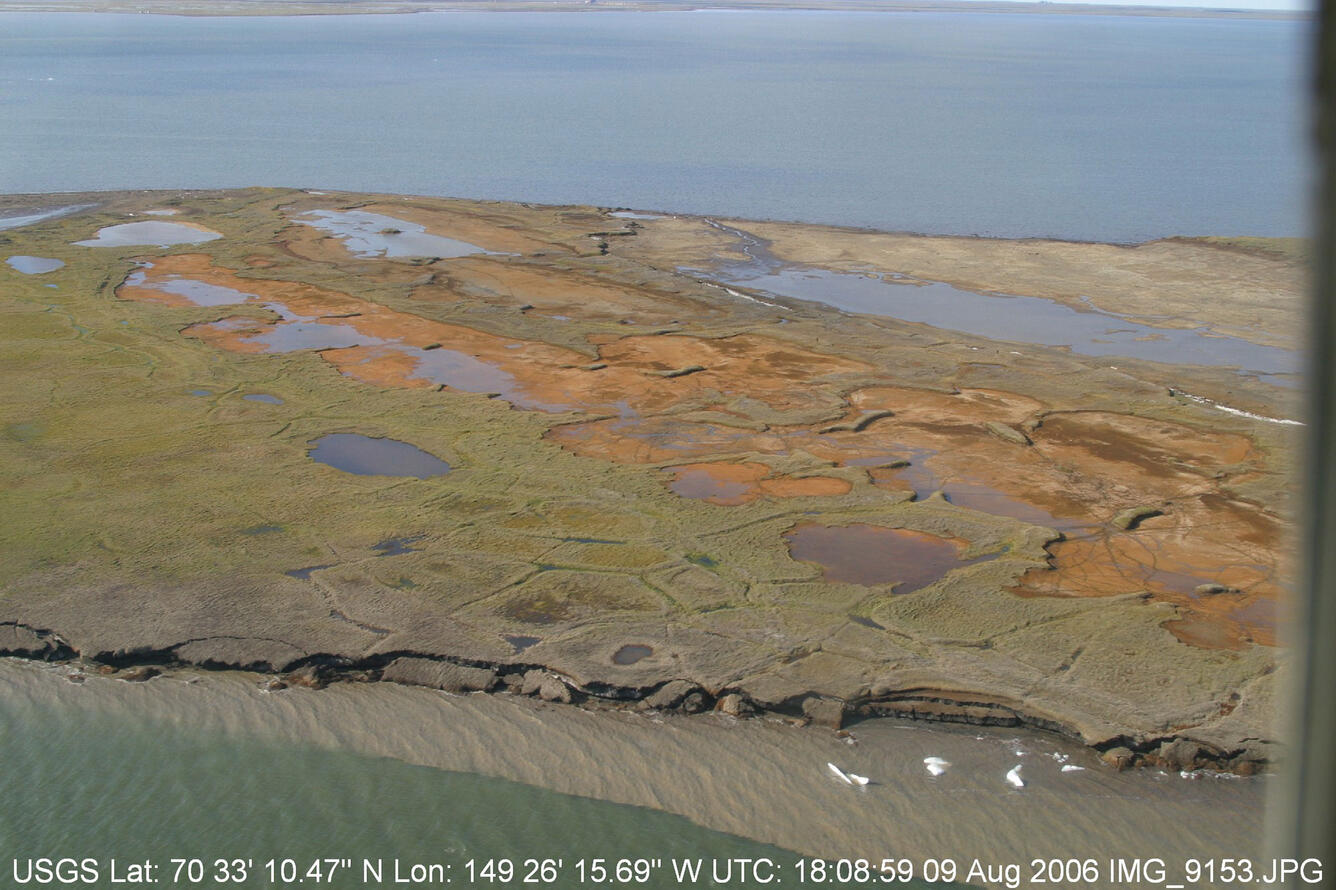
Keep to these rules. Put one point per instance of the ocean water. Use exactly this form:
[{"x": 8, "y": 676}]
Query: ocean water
[
  {"x": 1115, "y": 128},
  {"x": 133, "y": 785},
  {"x": 200, "y": 766}
]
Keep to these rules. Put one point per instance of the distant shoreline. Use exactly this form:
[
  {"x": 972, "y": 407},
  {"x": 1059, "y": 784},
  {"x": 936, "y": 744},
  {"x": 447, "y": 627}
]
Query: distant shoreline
[{"x": 220, "y": 8}]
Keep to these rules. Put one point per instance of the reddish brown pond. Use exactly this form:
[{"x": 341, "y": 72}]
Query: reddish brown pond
[
  {"x": 718, "y": 483},
  {"x": 874, "y": 554}
]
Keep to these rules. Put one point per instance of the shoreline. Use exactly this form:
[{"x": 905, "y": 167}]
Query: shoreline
[
  {"x": 1273, "y": 246},
  {"x": 459, "y": 675},
  {"x": 742, "y": 777}
]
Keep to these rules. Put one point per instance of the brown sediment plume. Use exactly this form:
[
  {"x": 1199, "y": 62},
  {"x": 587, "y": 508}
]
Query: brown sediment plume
[
  {"x": 303, "y": 299},
  {"x": 1082, "y": 469},
  {"x": 891, "y": 479},
  {"x": 148, "y": 294},
  {"x": 1139, "y": 449},
  {"x": 784, "y": 376},
  {"x": 235, "y": 333},
  {"x": 934, "y": 408}
]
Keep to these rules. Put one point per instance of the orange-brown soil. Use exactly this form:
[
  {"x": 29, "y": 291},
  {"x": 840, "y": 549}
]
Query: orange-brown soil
[
  {"x": 555, "y": 292},
  {"x": 986, "y": 449},
  {"x": 655, "y": 440},
  {"x": 639, "y": 373},
  {"x": 731, "y": 484},
  {"x": 377, "y": 364},
  {"x": 1080, "y": 472}
]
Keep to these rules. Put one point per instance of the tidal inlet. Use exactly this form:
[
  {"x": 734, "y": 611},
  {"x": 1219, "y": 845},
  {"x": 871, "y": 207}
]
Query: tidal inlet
[{"x": 747, "y": 533}]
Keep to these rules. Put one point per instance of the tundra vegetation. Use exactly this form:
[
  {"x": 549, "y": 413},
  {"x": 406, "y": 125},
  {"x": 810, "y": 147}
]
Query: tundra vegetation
[{"x": 649, "y": 490}]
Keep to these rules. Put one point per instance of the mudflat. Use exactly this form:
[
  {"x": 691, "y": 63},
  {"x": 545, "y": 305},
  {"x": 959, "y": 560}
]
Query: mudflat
[{"x": 589, "y": 468}]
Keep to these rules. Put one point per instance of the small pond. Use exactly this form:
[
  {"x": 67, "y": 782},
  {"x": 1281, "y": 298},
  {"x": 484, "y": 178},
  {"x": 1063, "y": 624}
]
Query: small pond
[
  {"x": 632, "y": 653},
  {"x": 149, "y": 234},
  {"x": 201, "y": 293},
  {"x": 368, "y": 456},
  {"x": 369, "y": 235},
  {"x": 718, "y": 483},
  {"x": 34, "y": 265},
  {"x": 874, "y": 554}
]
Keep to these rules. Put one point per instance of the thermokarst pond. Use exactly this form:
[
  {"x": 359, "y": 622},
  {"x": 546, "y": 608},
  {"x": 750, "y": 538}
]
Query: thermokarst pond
[
  {"x": 368, "y": 456},
  {"x": 34, "y": 265},
  {"x": 195, "y": 292},
  {"x": 150, "y": 234},
  {"x": 631, "y": 653},
  {"x": 390, "y": 346},
  {"x": 370, "y": 235},
  {"x": 1010, "y": 317},
  {"x": 873, "y": 554}
]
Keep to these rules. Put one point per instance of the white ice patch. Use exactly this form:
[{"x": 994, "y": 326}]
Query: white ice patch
[
  {"x": 936, "y": 765},
  {"x": 1202, "y": 400}
]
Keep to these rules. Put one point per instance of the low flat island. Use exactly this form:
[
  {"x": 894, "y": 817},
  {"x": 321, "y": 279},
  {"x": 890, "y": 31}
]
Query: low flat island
[{"x": 633, "y": 460}]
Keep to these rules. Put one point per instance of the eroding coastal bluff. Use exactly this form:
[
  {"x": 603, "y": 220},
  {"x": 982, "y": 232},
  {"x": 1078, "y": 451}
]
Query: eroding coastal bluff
[{"x": 610, "y": 457}]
